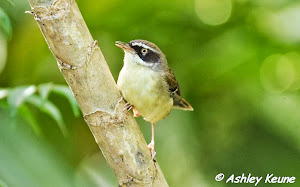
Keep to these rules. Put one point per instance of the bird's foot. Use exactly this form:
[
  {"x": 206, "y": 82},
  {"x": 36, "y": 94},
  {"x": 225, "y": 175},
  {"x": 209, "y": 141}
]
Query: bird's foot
[
  {"x": 151, "y": 148},
  {"x": 127, "y": 107},
  {"x": 135, "y": 112}
]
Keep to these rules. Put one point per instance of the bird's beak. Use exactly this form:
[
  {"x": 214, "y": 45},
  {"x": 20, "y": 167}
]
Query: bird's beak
[{"x": 124, "y": 46}]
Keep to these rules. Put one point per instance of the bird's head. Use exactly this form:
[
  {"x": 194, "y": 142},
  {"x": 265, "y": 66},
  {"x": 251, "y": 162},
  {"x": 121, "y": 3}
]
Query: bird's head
[{"x": 142, "y": 52}]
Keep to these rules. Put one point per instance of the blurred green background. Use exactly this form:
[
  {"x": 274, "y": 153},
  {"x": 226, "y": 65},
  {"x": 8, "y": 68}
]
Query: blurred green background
[{"x": 237, "y": 62}]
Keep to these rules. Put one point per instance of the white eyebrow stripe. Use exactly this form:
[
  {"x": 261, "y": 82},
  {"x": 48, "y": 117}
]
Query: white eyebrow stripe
[{"x": 143, "y": 45}]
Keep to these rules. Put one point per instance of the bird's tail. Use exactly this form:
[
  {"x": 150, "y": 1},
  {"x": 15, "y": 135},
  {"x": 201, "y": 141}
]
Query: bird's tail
[{"x": 183, "y": 105}]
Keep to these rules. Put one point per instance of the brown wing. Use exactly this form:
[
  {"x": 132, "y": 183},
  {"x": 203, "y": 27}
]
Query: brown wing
[{"x": 174, "y": 91}]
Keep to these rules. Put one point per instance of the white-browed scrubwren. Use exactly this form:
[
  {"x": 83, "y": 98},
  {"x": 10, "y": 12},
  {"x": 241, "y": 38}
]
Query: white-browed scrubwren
[{"x": 148, "y": 84}]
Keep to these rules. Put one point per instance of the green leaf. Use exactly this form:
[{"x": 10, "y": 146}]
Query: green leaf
[
  {"x": 26, "y": 113},
  {"x": 44, "y": 91},
  {"x": 16, "y": 98},
  {"x": 50, "y": 109},
  {"x": 67, "y": 93},
  {"x": 5, "y": 24}
]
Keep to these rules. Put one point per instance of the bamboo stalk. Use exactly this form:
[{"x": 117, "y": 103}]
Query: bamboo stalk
[{"x": 83, "y": 66}]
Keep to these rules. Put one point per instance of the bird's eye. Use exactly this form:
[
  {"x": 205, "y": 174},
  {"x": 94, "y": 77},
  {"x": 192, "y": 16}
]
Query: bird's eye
[{"x": 144, "y": 51}]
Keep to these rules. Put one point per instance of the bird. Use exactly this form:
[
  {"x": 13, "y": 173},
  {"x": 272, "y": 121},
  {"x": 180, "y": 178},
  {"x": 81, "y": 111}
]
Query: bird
[{"x": 148, "y": 85}]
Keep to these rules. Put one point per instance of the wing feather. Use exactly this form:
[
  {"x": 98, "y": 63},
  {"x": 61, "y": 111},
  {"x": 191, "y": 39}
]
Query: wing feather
[{"x": 174, "y": 90}]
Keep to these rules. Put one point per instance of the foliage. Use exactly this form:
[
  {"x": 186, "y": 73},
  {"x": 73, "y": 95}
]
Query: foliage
[{"x": 19, "y": 97}]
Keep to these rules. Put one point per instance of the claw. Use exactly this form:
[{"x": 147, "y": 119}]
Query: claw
[{"x": 127, "y": 107}]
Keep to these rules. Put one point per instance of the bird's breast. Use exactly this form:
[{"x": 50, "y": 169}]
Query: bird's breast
[{"x": 146, "y": 90}]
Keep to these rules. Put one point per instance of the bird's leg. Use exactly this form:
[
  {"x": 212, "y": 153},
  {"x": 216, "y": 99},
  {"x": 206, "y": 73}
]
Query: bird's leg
[{"x": 151, "y": 145}]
